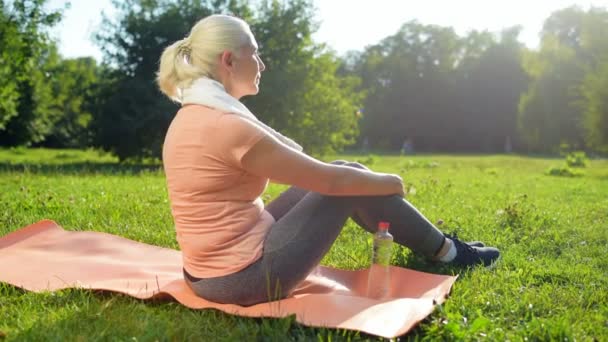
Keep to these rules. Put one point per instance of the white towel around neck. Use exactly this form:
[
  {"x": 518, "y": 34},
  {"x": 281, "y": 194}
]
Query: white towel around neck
[{"x": 210, "y": 93}]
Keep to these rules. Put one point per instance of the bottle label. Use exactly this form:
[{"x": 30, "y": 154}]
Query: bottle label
[{"x": 382, "y": 252}]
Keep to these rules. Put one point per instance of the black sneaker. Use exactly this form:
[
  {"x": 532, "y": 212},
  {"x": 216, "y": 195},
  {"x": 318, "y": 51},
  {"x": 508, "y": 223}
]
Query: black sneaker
[
  {"x": 470, "y": 243},
  {"x": 470, "y": 255}
]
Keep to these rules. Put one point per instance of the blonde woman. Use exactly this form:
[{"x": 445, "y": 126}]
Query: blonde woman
[{"x": 219, "y": 158}]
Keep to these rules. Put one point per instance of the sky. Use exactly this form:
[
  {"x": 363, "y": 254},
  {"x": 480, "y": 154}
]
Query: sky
[{"x": 352, "y": 24}]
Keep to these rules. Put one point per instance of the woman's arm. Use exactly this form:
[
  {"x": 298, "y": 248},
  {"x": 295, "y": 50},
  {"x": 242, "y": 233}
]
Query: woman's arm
[{"x": 271, "y": 159}]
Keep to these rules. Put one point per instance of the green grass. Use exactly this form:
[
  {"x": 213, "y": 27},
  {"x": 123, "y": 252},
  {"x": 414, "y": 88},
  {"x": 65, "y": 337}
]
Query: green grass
[{"x": 551, "y": 283}]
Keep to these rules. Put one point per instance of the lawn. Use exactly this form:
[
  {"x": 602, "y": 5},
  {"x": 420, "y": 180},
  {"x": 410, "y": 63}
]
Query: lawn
[{"x": 550, "y": 284}]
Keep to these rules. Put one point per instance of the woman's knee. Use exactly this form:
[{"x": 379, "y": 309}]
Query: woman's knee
[
  {"x": 339, "y": 162},
  {"x": 355, "y": 165}
]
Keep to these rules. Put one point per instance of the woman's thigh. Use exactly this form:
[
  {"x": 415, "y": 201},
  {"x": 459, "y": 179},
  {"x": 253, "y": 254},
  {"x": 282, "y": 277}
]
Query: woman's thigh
[{"x": 294, "y": 246}]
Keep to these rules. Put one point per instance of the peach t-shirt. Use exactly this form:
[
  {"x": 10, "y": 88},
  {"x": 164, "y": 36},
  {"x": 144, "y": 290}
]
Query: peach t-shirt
[{"x": 219, "y": 216}]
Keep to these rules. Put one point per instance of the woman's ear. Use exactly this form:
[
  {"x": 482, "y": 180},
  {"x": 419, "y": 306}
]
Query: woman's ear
[{"x": 226, "y": 60}]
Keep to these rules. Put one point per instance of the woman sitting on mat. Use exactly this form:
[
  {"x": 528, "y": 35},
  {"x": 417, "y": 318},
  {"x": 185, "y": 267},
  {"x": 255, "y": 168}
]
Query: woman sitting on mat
[{"x": 219, "y": 158}]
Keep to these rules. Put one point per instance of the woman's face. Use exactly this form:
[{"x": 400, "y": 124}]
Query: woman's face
[{"x": 247, "y": 70}]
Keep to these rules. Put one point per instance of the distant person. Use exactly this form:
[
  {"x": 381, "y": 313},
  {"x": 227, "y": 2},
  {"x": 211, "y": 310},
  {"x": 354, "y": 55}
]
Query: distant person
[
  {"x": 407, "y": 147},
  {"x": 508, "y": 147},
  {"x": 218, "y": 158},
  {"x": 365, "y": 145}
]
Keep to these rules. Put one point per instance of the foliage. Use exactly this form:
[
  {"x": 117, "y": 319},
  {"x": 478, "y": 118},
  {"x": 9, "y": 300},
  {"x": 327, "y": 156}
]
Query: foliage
[
  {"x": 577, "y": 159},
  {"x": 563, "y": 171},
  {"x": 301, "y": 94},
  {"x": 573, "y": 160},
  {"x": 25, "y": 56},
  {"x": 489, "y": 84},
  {"x": 74, "y": 85},
  {"x": 595, "y": 120},
  {"x": 566, "y": 99},
  {"x": 439, "y": 90},
  {"x": 132, "y": 116},
  {"x": 594, "y": 88},
  {"x": 424, "y": 84}
]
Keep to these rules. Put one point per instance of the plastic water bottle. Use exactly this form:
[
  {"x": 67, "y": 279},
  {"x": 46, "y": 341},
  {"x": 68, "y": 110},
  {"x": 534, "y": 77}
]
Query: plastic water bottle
[{"x": 379, "y": 279}]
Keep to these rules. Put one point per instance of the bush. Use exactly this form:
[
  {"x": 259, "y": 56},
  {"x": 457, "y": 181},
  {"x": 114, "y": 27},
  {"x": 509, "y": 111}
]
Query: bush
[
  {"x": 577, "y": 159},
  {"x": 563, "y": 171}
]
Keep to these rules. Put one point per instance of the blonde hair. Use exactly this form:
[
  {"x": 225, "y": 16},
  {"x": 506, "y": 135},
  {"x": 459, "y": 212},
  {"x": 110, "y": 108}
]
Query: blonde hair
[{"x": 196, "y": 55}]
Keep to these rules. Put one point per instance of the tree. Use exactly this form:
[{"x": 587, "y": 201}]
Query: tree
[
  {"x": 490, "y": 81},
  {"x": 403, "y": 75},
  {"x": 564, "y": 101},
  {"x": 26, "y": 52},
  {"x": 595, "y": 92},
  {"x": 10, "y": 43},
  {"x": 549, "y": 115},
  {"x": 75, "y": 85},
  {"x": 133, "y": 117},
  {"x": 445, "y": 92},
  {"x": 302, "y": 92},
  {"x": 595, "y": 85},
  {"x": 327, "y": 109}
]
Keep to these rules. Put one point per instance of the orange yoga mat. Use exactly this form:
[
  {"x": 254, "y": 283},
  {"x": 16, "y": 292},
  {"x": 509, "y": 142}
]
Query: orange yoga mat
[{"x": 45, "y": 257}]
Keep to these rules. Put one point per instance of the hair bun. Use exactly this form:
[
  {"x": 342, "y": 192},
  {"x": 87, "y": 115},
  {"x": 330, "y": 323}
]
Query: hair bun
[{"x": 185, "y": 47}]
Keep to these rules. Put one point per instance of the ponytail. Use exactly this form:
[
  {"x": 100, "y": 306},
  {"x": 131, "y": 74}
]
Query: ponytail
[{"x": 173, "y": 67}]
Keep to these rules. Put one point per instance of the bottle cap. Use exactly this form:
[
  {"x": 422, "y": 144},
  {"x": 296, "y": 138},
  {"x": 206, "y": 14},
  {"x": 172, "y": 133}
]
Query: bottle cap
[{"x": 383, "y": 225}]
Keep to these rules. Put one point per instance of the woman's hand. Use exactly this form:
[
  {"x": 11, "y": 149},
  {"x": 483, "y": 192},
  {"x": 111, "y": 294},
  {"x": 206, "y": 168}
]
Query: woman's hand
[{"x": 393, "y": 182}]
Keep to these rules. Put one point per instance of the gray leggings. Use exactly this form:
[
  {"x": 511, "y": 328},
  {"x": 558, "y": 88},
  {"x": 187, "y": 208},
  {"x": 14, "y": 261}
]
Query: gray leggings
[{"x": 306, "y": 226}]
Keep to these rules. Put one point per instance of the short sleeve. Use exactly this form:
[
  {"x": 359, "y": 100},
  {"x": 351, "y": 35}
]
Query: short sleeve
[{"x": 235, "y": 137}]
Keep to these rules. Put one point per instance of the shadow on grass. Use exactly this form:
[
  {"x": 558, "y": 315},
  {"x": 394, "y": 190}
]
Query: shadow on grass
[{"x": 81, "y": 168}]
